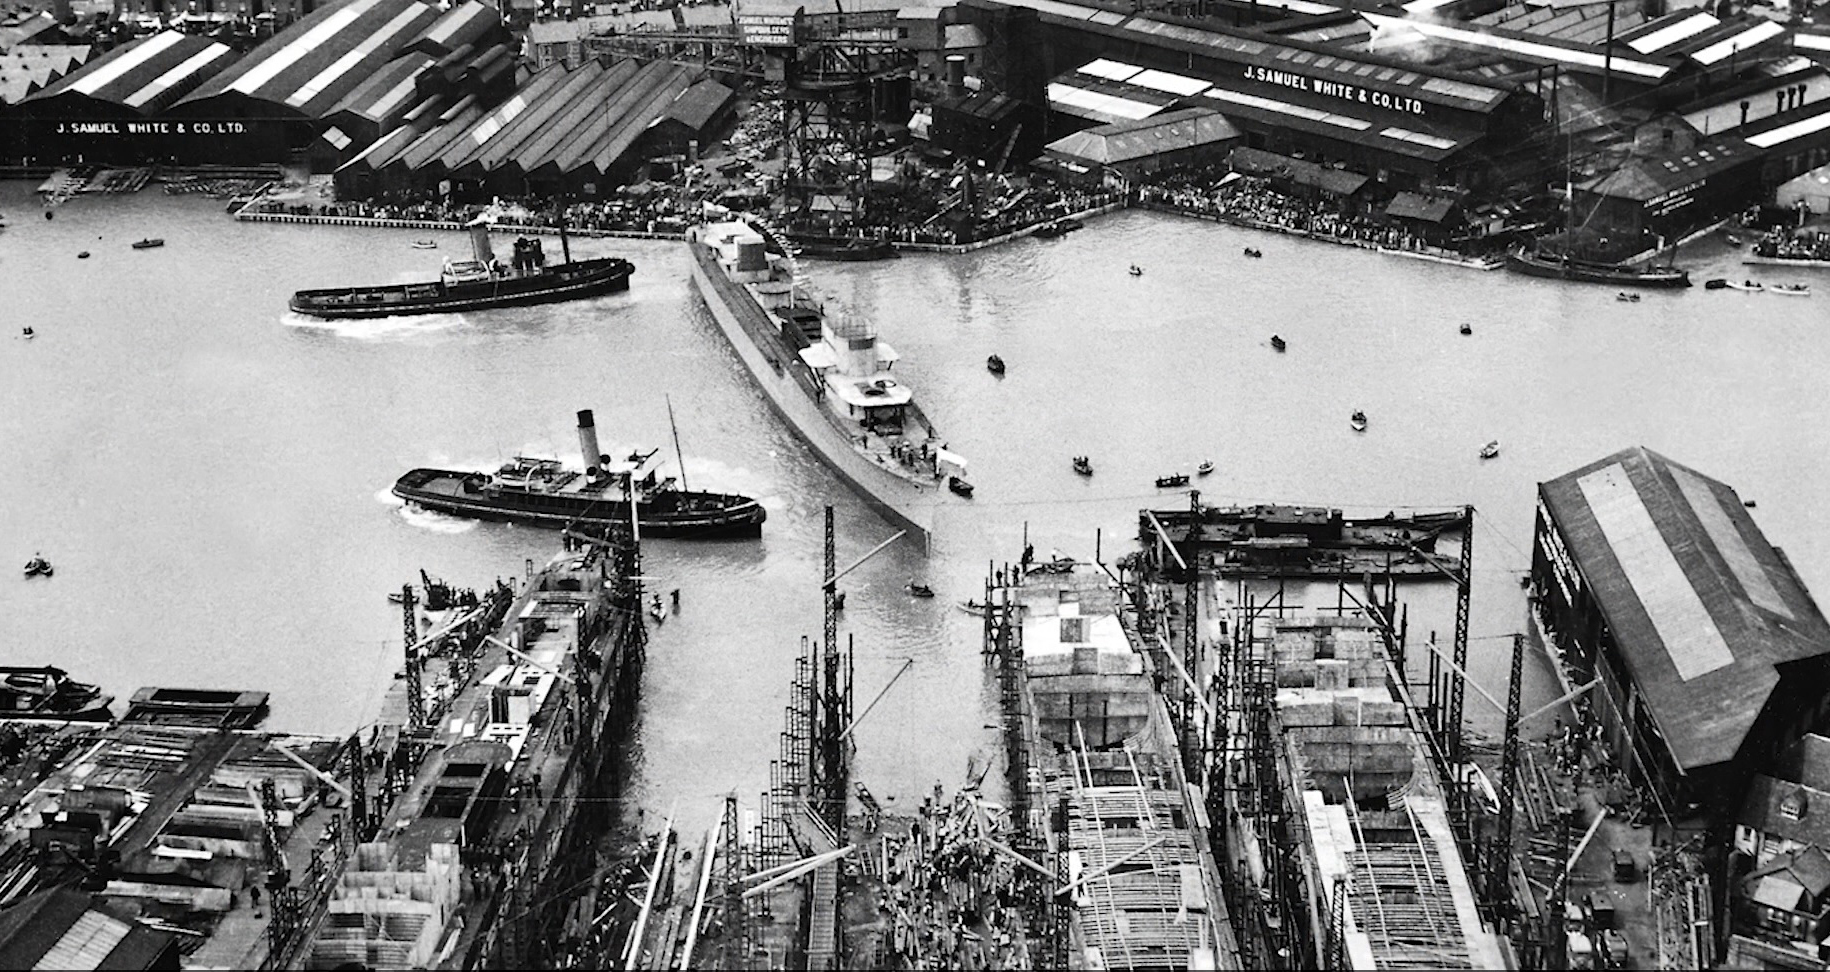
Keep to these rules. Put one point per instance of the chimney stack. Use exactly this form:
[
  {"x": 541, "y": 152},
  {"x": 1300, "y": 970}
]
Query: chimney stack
[
  {"x": 587, "y": 441},
  {"x": 956, "y": 76}
]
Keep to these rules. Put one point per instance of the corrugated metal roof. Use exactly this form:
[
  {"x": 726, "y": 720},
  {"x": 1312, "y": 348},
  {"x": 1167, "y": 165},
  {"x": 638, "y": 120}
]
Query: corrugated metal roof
[
  {"x": 1744, "y": 38},
  {"x": 543, "y": 146},
  {"x": 1643, "y": 179},
  {"x": 699, "y": 104},
  {"x": 1692, "y": 632},
  {"x": 388, "y": 92},
  {"x": 1128, "y": 141},
  {"x": 643, "y": 113},
  {"x": 1656, "y": 35},
  {"x": 146, "y": 74},
  {"x": 463, "y": 24},
  {"x": 581, "y": 149},
  {"x": 1411, "y": 205},
  {"x": 571, "y": 88},
  {"x": 312, "y": 66},
  {"x": 1585, "y": 57},
  {"x": 29, "y": 67}
]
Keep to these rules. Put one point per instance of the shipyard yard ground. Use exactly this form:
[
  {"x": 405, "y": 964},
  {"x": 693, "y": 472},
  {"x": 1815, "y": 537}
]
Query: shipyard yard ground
[{"x": 221, "y": 467}]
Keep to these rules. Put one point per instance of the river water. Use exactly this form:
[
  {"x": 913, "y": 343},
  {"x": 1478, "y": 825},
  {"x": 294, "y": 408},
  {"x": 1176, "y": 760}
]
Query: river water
[{"x": 209, "y": 473}]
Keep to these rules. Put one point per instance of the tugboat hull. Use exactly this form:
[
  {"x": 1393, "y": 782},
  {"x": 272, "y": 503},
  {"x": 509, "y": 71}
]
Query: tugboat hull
[
  {"x": 679, "y": 514},
  {"x": 568, "y": 281}
]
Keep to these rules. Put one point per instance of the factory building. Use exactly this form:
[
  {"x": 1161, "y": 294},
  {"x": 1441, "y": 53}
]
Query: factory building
[
  {"x": 112, "y": 109},
  {"x": 1711, "y": 655},
  {"x": 1405, "y": 126}
]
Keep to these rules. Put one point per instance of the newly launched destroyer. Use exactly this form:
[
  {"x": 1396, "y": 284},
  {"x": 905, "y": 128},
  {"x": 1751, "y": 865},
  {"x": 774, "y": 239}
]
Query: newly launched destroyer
[
  {"x": 543, "y": 492},
  {"x": 480, "y": 283},
  {"x": 829, "y": 379}
]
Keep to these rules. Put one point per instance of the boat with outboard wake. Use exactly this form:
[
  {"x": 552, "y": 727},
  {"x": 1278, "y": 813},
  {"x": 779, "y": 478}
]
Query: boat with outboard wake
[
  {"x": 543, "y": 492},
  {"x": 827, "y": 375},
  {"x": 480, "y": 283}
]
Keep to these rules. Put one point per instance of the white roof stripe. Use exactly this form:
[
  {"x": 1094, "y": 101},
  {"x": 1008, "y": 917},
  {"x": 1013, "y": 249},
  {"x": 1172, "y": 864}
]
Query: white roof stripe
[
  {"x": 1811, "y": 42},
  {"x": 196, "y": 62},
  {"x": 503, "y": 116},
  {"x": 1110, "y": 70},
  {"x": 1548, "y": 52},
  {"x": 1762, "y": 31},
  {"x": 447, "y": 26},
  {"x": 325, "y": 78},
  {"x": 1175, "y": 84},
  {"x": 1286, "y": 108},
  {"x": 396, "y": 96},
  {"x": 93, "y": 81},
  {"x": 1785, "y": 133},
  {"x": 300, "y": 46},
  {"x": 1692, "y": 640},
  {"x": 1419, "y": 138},
  {"x": 1728, "y": 540},
  {"x": 1102, "y": 104},
  {"x": 1670, "y": 34}
]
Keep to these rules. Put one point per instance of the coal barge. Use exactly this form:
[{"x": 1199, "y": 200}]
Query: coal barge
[
  {"x": 476, "y": 284},
  {"x": 542, "y": 492},
  {"x": 1561, "y": 267}
]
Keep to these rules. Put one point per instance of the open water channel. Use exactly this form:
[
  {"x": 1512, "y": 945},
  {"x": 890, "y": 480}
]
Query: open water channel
[{"x": 209, "y": 473}]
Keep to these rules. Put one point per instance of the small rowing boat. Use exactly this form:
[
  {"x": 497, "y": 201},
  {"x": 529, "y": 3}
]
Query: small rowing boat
[
  {"x": 1358, "y": 421},
  {"x": 1172, "y": 480},
  {"x": 148, "y": 243},
  {"x": 1795, "y": 290},
  {"x": 1491, "y": 449}
]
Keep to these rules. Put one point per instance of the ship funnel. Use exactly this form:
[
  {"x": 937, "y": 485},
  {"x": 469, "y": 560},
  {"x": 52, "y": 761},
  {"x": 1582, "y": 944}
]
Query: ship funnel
[
  {"x": 479, "y": 242},
  {"x": 587, "y": 441}
]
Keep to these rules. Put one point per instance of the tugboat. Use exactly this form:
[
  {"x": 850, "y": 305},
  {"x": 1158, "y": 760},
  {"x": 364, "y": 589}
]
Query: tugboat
[
  {"x": 542, "y": 492},
  {"x": 148, "y": 244},
  {"x": 1358, "y": 421},
  {"x": 1083, "y": 465},
  {"x": 37, "y": 567},
  {"x": 995, "y": 365},
  {"x": 1278, "y": 344},
  {"x": 1172, "y": 480},
  {"x": 476, "y": 284}
]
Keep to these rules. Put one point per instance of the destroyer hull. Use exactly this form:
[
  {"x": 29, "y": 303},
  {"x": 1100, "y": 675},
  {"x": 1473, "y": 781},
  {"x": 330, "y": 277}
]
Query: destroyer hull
[{"x": 901, "y": 502}]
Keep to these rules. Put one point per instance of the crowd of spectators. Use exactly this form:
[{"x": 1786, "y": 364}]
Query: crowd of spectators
[
  {"x": 1256, "y": 201},
  {"x": 655, "y": 213},
  {"x": 1784, "y": 244}
]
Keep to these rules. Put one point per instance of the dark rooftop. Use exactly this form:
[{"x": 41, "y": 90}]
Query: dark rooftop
[{"x": 1702, "y": 606}]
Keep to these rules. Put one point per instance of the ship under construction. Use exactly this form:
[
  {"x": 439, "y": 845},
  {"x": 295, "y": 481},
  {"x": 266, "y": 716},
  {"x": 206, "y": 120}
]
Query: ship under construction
[{"x": 1349, "y": 810}]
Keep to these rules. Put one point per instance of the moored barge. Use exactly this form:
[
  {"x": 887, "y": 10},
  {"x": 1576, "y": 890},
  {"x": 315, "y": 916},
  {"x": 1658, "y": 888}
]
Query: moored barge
[{"x": 1534, "y": 263}]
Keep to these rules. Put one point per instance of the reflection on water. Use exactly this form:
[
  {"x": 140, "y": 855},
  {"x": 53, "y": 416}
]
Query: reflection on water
[{"x": 205, "y": 469}]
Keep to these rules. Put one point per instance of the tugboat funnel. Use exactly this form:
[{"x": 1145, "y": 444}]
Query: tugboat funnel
[
  {"x": 587, "y": 441},
  {"x": 479, "y": 241}
]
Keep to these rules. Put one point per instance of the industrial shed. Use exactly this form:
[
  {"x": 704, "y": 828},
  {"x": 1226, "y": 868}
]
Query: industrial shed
[
  {"x": 1712, "y": 656},
  {"x": 104, "y": 111},
  {"x": 1123, "y": 151},
  {"x": 291, "y": 82},
  {"x": 378, "y": 105},
  {"x": 472, "y": 23},
  {"x": 578, "y": 132}
]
